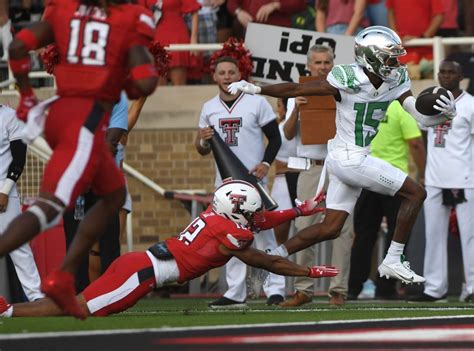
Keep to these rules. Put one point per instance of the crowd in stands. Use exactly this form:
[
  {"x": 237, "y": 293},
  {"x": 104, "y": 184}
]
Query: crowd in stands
[{"x": 214, "y": 21}]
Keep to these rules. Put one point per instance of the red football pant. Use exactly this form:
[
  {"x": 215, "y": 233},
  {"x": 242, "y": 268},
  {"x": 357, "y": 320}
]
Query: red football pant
[
  {"x": 75, "y": 129},
  {"x": 128, "y": 279}
]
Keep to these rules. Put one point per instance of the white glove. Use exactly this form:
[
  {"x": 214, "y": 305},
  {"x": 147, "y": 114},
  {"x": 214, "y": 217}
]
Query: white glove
[
  {"x": 244, "y": 86},
  {"x": 446, "y": 106},
  {"x": 36, "y": 119}
]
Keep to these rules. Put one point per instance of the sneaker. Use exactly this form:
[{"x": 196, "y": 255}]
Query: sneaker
[
  {"x": 4, "y": 307},
  {"x": 337, "y": 299},
  {"x": 298, "y": 299},
  {"x": 224, "y": 302},
  {"x": 469, "y": 298},
  {"x": 401, "y": 271},
  {"x": 274, "y": 300},
  {"x": 59, "y": 286},
  {"x": 428, "y": 298}
]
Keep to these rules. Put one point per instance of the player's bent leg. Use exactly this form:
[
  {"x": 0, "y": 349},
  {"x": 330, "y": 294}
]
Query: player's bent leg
[
  {"x": 45, "y": 213},
  {"x": 128, "y": 279},
  {"x": 329, "y": 229}
]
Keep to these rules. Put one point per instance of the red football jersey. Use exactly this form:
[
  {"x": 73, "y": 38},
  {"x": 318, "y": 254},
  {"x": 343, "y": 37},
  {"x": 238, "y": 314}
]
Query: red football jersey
[
  {"x": 93, "y": 45},
  {"x": 196, "y": 249}
]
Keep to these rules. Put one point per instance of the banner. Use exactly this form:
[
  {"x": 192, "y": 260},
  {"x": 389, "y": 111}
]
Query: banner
[{"x": 279, "y": 53}]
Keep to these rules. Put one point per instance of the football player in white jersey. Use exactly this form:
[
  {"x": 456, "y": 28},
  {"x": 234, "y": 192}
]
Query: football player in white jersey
[{"x": 363, "y": 91}]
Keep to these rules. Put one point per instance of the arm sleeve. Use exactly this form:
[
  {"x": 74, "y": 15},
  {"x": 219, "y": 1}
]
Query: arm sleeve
[
  {"x": 271, "y": 219},
  {"x": 273, "y": 135},
  {"x": 427, "y": 121},
  {"x": 18, "y": 151}
]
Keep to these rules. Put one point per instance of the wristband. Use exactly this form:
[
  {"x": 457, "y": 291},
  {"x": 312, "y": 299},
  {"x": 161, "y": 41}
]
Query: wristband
[
  {"x": 266, "y": 163},
  {"x": 204, "y": 143},
  {"x": 146, "y": 70},
  {"x": 7, "y": 186}
]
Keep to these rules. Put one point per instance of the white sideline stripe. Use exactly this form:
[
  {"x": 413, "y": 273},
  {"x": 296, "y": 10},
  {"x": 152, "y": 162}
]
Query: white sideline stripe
[
  {"x": 76, "y": 167},
  {"x": 212, "y": 327},
  {"x": 115, "y": 295}
]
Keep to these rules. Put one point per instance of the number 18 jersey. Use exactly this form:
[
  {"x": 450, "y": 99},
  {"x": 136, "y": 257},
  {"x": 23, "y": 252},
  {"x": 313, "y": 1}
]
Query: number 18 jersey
[
  {"x": 93, "y": 45},
  {"x": 362, "y": 107}
]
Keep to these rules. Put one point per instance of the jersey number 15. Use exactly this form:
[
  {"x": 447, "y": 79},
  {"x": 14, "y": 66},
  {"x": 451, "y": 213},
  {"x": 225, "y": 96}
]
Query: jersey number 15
[{"x": 94, "y": 41}]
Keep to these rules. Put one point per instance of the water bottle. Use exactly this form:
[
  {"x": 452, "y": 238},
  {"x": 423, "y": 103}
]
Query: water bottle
[{"x": 79, "y": 209}]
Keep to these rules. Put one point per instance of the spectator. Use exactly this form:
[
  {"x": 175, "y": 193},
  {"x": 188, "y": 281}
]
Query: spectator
[
  {"x": 376, "y": 13},
  {"x": 416, "y": 19},
  {"x": 284, "y": 184},
  {"x": 5, "y": 28},
  {"x": 171, "y": 29},
  {"x": 341, "y": 16},
  {"x": 276, "y": 13},
  {"x": 242, "y": 121},
  {"x": 449, "y": 183},
  {"x": 449, "y": 27},
  {"x": 225, "y": 22},
  {"x": 398, "y": 134},
  {"x": 12, "y": 162},
  {"x": 320, "y": 63},
  {"x": 185, "y": 257}
]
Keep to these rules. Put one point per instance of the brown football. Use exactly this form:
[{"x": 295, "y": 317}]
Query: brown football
[{"x": 427, "y": 98}]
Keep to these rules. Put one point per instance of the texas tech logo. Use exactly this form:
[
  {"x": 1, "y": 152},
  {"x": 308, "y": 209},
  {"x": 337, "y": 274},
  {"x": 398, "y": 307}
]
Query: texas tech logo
[
  {"x": 441, "y": 132},
  {"x": 230, "y": 127},
  {"x": 237, "y": 200}
]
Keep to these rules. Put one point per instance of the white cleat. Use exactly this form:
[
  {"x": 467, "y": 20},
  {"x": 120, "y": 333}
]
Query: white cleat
[{"x": 400, "y": 271}]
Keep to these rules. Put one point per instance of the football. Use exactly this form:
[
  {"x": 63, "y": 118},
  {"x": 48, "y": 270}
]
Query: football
[{"x": 427, "y": 99}]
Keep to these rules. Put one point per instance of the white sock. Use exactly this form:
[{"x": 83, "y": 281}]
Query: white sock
[
  {"x": 394, "y": 252},
  {"x": 8, "y": 312},
  {"x": 279, "y": 251}
]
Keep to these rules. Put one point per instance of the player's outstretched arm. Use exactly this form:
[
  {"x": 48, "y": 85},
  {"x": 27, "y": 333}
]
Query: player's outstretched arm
[
  {"x": 285, "y": 90},
  {"x": 447, "y": 108},
  {"x": 280, "y": 265}
]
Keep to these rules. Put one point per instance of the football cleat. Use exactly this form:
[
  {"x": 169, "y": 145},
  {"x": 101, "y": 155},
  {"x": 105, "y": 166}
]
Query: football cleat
[
  {"x": 59, "y": 286},
  {"x": 401, "y": 271}
]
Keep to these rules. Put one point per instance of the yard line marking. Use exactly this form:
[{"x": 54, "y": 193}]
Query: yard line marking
[{"x": 213, "y": 327}]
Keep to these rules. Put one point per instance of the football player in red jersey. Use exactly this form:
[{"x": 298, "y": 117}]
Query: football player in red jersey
[
  {"x": 102, "y": 47},
  {"x": 224, "y": 230}
]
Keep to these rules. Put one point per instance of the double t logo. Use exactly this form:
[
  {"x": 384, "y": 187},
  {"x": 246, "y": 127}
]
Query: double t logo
[
  {"x": 237, "y": 200},
  {"x": 230, "y": 127}
]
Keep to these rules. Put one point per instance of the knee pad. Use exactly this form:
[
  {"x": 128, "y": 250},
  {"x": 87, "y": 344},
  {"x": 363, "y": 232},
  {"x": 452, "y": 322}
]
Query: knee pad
[{"x": 41, "y": 216}]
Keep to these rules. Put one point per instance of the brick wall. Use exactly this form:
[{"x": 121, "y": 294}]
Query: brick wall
[{"x": 169, "y": 158}]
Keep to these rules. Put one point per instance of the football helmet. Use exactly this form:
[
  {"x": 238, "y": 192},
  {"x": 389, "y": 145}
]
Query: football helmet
[
  {"x": 377, "y": 48},
  {"x": 238, "y": 201}
]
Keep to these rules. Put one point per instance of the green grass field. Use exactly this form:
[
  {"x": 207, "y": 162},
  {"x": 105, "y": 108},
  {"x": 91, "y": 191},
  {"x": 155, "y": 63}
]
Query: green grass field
[{"x": 183, "y": 312}]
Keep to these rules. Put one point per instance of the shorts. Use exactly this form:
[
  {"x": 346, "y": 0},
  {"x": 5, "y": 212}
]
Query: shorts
[
  {"x": 347, "y": 178},
  {"x": 75, "y": 129}
]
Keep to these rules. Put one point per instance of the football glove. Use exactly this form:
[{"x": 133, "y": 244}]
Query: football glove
[
  {"x": 446, "y": 106},
  {"x": 243, "y": 86},
  {"x": 310, "y": 206},
  {"x": 27, "y": 101},
  {"x": 322, "y": 271}
]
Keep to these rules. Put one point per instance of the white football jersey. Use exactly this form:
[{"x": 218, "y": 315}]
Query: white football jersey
[
  {"x": 450, "y": 162},
  {"x": 240, "y": 126},
  {"x": 362, "y": 107},
  {"x": 10, "y": 128}
]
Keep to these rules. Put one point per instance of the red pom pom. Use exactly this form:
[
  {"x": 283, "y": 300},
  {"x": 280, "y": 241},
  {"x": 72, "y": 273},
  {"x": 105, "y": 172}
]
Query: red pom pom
[
  {"x": 162, "y": 57},
  {"x": 50, "y": 57},
  {"x": 236, "y": 49}
]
